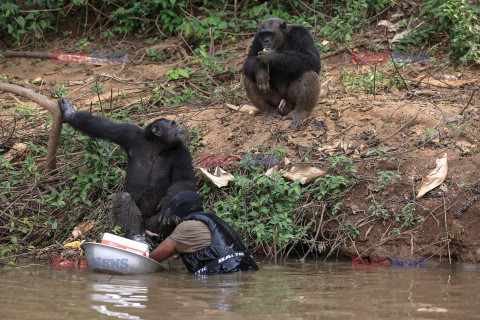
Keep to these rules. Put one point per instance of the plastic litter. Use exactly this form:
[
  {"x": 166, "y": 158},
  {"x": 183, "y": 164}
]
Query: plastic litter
[{"x": 220, "y": 177}]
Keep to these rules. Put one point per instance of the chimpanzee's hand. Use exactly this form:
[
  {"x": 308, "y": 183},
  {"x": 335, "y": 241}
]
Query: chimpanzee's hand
[
  {"x": 144, "y": 239},
  {"x": 267, "y": 56},
  {"x": 165, "y": 226},
  {"x": 67, "y": 108},
  {"x": 263, "y": 80}
]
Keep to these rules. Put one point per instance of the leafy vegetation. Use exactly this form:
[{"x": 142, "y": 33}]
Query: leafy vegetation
[
  {"x": 267, "y": 210},
  {"x": 93, "y": 168},
  {"x": 459, "y": 20},
  {"x": 215, "y": 20},
  {"x": 270, "y": 213}
]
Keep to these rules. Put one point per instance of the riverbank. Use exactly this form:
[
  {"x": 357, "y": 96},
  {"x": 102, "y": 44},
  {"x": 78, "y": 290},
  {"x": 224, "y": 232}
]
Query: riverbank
[{"x": 376, "y": 133}]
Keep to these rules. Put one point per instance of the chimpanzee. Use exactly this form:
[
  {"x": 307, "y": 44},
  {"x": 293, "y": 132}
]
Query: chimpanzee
[
  {"x": 159, "y": 166},
  {"x": 281, "y": 71}
]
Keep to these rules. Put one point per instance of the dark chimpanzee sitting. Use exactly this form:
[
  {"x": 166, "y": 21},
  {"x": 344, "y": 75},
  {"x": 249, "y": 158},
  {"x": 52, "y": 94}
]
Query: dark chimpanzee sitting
[
  {"x": 159, "y": 166},
  {"x": 281, "y": 71}
]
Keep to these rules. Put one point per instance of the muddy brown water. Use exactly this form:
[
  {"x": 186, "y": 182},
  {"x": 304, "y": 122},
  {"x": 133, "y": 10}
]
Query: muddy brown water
[{"x": 292, "y": 290}]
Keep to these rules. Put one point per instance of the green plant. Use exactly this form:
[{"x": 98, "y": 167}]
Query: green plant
[
  {"x": 177, "y": 73},
  {"x": 348, "y": 16},
  {"x": 341, "y": 177},
  {"x": 117, "y": 230},
  {"x": 154, "y": 55},
  {"x": 195, "y": 137},
  {"x": 61, "y": 90},
  {"x": 353, "y": 81},
  {"x": 407, "y": 216},
  {"x": 82, "y": 44},
  {"x": 381, "y": 152},
  {"x": 11, "y": 248},
  {"x": 428, "y": 135},
  {"x": 377, "y": 210},
  {"x": 85, "y": 185},
  {"x": 176, "y": 99},
  {"x": 458, "y": 20},
  {"x": 385, "y": 178},
  {"x": 351, "y": 229},
  {"x": 263, "y": 209},
  {"x": 167, "y": 13},
  {"x": 18, "y": 23},
  {"x": 97, "y": 88}
]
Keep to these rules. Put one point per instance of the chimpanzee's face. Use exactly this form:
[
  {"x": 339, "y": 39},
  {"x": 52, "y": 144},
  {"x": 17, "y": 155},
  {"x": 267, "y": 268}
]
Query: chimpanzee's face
[
  {"x": 167, "y": 131},
  {"x": 270, "y": 33}
]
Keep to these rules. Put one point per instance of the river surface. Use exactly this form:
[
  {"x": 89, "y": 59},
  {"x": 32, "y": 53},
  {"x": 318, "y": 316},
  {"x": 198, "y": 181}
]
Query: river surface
[{"x": 292, "y": 290}]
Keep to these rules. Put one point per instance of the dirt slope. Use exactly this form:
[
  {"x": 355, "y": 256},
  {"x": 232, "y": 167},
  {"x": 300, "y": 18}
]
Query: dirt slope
[{"x": 412, "y": 126}]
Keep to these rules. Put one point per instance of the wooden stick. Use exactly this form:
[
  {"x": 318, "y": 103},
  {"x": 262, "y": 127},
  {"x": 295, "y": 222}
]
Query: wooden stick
[
  {"x": 63, "y": 57},
  {"x": 52, "y": 107}
]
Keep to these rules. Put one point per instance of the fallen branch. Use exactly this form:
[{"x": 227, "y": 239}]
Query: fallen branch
[
  {"x": 52, "y": 107},
  {"x": 27, "y": 54},
  {"x": 63, "y": 57}
]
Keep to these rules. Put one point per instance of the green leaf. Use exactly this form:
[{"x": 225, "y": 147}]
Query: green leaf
[
  {"x": 298, "y": 189},
  {"x": 21, "y": 21},
  {"x": 223, "y": 25},
  {"x": 183, "y": 73}
]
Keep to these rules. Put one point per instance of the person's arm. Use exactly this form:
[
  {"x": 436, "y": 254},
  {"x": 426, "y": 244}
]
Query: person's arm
[{"x": 164, "y": 251}]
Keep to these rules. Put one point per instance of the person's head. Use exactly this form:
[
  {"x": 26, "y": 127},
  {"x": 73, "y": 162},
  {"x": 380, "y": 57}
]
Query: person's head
[{"x": 183, "y": 204}]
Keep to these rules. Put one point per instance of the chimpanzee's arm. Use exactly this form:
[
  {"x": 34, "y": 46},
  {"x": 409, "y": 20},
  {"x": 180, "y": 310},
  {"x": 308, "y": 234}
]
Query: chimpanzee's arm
[
  {"x": 253, "y": 64},
  {"x": 302, "y": 54},
  {"x": 183, "y": 178},
  {"x": 99, "y": 127}
]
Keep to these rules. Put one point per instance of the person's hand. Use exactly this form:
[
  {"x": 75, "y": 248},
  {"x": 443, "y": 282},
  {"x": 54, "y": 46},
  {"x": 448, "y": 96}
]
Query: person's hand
[{"x": 164, "y": 250}]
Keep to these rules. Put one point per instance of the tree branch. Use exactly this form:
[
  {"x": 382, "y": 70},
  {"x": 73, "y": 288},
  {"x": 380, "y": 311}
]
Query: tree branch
[{"x": 52, "y": 107}]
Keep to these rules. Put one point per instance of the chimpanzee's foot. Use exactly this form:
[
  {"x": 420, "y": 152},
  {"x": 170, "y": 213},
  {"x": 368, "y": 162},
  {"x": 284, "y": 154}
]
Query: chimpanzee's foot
[{"x": 269, "y": 112}]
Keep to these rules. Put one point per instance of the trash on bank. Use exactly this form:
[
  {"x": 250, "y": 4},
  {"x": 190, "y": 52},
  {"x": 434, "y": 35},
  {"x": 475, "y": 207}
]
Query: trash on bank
[
  {"x": 220, "y": 177},
  {"x": 271, "y": 171},
  {"x": 325, "y": 88},
  {"x": 74, "y": 245},
  {"x": 82, "y": 228},
  {"x": 245, "y": 108},
  {"x": 434, "y": 178},
  {"x": 304, "y": 172},
  {"x": 337, "y": 146}
]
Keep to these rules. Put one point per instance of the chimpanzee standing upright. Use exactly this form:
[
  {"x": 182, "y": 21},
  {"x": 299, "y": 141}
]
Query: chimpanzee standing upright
[{"x": 281, "y": 71}]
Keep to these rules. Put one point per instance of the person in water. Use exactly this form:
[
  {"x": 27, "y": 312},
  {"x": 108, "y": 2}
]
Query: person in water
[{"x": 206, "y": 243}]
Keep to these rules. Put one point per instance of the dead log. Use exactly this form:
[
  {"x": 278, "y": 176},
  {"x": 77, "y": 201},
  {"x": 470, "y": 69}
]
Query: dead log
[
  {"x": 54, "y": 136},
  {"x": 27, "y": 54},
  {"x": 98, "y": 57}
]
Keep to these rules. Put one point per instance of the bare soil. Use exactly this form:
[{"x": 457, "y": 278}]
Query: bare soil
[{"x": 413, "y": 125}]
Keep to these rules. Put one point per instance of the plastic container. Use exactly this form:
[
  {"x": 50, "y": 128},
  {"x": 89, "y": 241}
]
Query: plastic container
[{"x": 125, "y": 244}]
